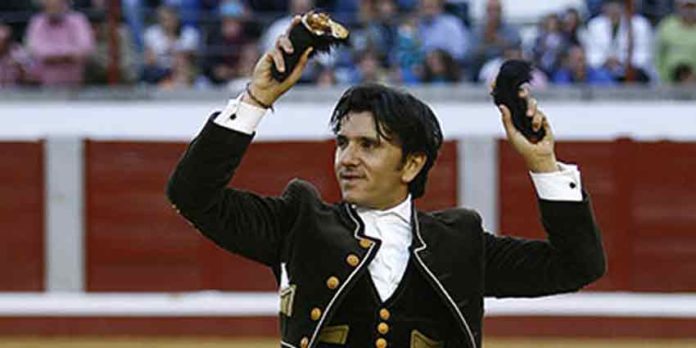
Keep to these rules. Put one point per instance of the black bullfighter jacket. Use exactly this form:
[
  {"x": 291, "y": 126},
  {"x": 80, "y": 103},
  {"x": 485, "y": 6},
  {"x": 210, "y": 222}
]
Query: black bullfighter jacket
[{"x": 323, "y": 249}]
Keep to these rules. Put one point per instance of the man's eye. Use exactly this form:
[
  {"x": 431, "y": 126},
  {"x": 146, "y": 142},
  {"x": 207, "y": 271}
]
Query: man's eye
[
  {"x": 340, "y": 142},
  {"x": 368, "y": 144}
]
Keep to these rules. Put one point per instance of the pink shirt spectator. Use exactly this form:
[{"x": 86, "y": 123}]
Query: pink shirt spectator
[{"x": 60, "y": 47}]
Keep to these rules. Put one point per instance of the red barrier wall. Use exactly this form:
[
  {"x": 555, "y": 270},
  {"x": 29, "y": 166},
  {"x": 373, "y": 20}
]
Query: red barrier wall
[
  {"x": 136, "y": 242},
  {"x": 21, "y": 216},
  {"x": 644, "y": 197}
]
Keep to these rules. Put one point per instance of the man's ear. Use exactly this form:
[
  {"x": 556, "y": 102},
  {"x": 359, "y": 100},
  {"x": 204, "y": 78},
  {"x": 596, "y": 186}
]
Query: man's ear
[{"x": 413, "y": 164}]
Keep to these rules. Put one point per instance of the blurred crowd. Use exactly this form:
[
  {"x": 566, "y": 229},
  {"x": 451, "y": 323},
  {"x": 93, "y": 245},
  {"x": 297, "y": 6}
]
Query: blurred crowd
[{"x": 210, "y": 43}]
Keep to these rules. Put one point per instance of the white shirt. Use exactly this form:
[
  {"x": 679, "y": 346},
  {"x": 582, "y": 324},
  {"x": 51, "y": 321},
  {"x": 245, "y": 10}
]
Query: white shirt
[
  {"x": 601, "y": 44},
  {"x": 393, "y": 226}
]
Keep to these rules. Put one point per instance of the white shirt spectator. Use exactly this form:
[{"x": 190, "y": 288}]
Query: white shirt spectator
[
  {"x": 602, "y": 45},
  {"x": 163, "y": 47}
]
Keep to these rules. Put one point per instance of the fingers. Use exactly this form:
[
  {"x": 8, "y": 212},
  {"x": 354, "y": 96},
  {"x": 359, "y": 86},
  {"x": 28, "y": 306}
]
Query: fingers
[
  {"x": 507, "y": 120},
  {"x": 538, "y": 120},
  {"x": 548, "y": 137},
  {"x": 277, "y": 59}
]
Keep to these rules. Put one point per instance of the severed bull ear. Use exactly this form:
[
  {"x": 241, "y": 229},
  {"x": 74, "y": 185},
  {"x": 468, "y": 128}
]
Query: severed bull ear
[
  {"x": 506, "y": 89},
  {"x": 316, "y": 29}
]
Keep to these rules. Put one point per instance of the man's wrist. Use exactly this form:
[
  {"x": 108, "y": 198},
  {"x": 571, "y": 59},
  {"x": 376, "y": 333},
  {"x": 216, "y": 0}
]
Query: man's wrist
[{"x": 544, "y": 166}]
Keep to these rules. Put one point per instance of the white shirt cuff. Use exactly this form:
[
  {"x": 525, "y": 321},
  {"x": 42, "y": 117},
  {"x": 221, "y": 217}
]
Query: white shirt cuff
[
  {"x": 562, "y": 185},
  {"x": 240, "y": 116}
]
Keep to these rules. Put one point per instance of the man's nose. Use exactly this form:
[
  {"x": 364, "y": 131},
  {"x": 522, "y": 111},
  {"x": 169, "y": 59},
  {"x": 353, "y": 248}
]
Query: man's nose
[{"x": 348, "y": 156}]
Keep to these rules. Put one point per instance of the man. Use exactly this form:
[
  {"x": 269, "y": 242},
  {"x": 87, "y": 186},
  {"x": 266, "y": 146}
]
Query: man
[
  {"x": 372, "y": 270},
  {"x": 61, "y": 41},
  {"x": 440, "y": 30},
  {"x": 676, "y": 41},
  {"x": 610, "y": 46}
]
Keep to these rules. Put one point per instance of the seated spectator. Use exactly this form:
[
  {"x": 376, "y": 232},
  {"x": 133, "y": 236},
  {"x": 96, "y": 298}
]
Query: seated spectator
[
  {"x": 224, "y": 44},
  {"x": 182, "y": 74},
  {"x": 378, "y": 32},
  {"x": 608, "y": 43},
  {"x": 576, "y": 71},
  {"x": 676, "y": 40},
  {"x": 15, "y": 63},
  {"x": 490, "y": 70},
  {"x": 326, "y": 77},
  {"x": 440, "y": 67},
  {"x": 248, "y": 57},
  {"x": 368, "y": 69},
  {"x": 492, "y": 37},
  {"x": 549, "y": 44},
  {"x": 60, "y": 40},
  {"x": 163, "y": 40},
  {"x": 408, "y": 57},
  {"x": 440, "y": 30},
  {"x": 99, "y": 63},
  {"x": 573, "y": 27},
  {"x": 683, "y": 75}
]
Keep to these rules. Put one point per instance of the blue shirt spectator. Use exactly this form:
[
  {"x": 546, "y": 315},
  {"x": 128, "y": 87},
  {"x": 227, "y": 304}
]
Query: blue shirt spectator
[
  {"x": 492, "y": 37},
  {"x": 576, "y": 71},
  {"x": 440, "y": 30}
]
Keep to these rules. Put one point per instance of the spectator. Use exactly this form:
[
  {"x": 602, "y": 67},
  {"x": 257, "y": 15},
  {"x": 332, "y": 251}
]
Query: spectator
[
  {"x": 60, "y": 40},
  {"x": 573, "y": 27},
  {"x": 98, "y": 64},
  {"x": 379, "y": 32},
  {"x": 489, "y": 71},
  {"x": 576, "y": 71},
  {"x": 408, "y": 56},
  {"x": 326, "y": 77},
  {"x": 15, "y": 63},
  {"x": 163, "y": 40},
  {"x": 676, "y": 40},
  {"x": 440, "y": 30},
  {"x": 440, "y": 67},
  {"x": 182, "y": 74},
  {"x": 549, "y": 44},
  {"x": 224, "y": 44},
  {"x": 683, "y": 75},
  {"x": 245, "y": 66},
  {"x": 492, "y": 37},
  {"x": 278, "y": 27},
  {"x": 369, "y": 69},
  {"x": 608, "y": 42}
]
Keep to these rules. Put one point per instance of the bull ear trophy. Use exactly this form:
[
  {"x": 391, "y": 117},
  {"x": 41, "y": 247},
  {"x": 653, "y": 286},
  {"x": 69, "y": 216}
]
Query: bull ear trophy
[
  {"x": 317, "y": 30},
  {"x": 513, "y": 74}
]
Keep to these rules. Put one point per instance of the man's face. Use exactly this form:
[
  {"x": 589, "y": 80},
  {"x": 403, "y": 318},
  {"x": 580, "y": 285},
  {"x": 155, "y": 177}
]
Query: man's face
[
  {"x": 369, "y": 168},
  {"x": 54, "y": 7}
]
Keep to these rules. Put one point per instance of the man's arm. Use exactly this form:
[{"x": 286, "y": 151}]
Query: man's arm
[
  {"x": 241, "y": 222},
  {"x": 573, "y": 255}
]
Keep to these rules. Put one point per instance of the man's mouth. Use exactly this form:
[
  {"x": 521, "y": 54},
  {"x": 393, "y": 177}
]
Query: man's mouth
[{"x": 350, "y": 177}]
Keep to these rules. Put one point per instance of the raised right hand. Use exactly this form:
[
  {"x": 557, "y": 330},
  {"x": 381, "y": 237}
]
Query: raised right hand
[{"x": 263, "y": 86}]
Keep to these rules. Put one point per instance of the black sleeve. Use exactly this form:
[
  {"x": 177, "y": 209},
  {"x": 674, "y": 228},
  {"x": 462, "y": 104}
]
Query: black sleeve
[
  {"x": 571, "y": 258},
  {"x": 241, "y": 222}
]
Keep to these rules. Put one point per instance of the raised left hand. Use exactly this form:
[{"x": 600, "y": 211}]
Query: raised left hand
[{"x": 539, "y": 157}]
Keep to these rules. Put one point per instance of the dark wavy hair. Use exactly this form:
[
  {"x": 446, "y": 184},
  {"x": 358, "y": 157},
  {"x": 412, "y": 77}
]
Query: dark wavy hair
[{"x": 399, "y": 118}]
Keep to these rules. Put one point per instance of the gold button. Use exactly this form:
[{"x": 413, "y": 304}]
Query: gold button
[
  {"x": 304, "y": 342},
  {"x": 384, "y": 314},
  {"x": 365, "y": 243},
  {"x": 381, "y": 343},
  {"x": 315, "y": 314},
  {"x": 332, "y": 283},
  {"x": 352, "y": 260},
  {"x": 383, "y": 328}
]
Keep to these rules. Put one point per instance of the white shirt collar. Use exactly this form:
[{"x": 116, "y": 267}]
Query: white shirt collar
[{"x": 403, "y": 210}]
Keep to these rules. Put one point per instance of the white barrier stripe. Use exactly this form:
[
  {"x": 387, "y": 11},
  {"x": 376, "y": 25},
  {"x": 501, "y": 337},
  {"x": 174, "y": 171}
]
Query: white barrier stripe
[{"x": 249, "y": 304}]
